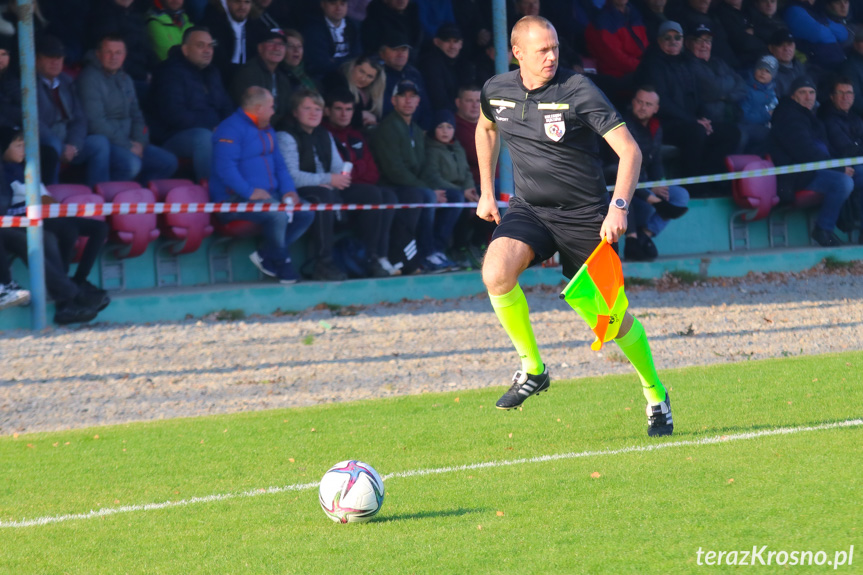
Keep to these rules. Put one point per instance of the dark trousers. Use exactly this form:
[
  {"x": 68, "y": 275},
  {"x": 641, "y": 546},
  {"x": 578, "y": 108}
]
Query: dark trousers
[
  {"x": 367, "y": 225},
  {"x": 67, "y": 231},
  {"x": 58, "y": 284},
  {"x": 701, "y": 154}
]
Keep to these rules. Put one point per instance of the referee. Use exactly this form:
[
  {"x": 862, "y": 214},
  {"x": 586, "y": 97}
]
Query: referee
[{"x": 550, "y": 118}]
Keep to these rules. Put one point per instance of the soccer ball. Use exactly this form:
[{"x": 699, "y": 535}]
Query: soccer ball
[{"x": 351, "y": 492}]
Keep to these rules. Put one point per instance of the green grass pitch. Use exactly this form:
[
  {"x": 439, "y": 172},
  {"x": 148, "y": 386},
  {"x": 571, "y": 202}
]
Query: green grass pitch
[{"x": 627, "y": 511}]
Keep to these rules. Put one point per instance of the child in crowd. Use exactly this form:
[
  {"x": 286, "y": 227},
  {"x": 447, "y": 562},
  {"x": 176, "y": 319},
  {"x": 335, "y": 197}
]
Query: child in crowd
[
  {"x": 758, "y": 106},
  {"x": 11, "y": 293},
  {"x": 76, "y": 298},
  {"x": 446, "y": 168}
]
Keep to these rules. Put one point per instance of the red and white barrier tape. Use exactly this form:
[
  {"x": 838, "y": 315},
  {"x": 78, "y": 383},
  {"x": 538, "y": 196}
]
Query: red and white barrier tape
[{"x": 36, "y": 213}]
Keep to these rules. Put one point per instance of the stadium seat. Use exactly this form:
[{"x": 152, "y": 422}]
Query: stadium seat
[
  {"x": 76, "y": 194},
  {"x": 160, "y": 188},
  {"x": 135, "y": 230},
  {"x": 110, "y": 189},
  {"x": 756, "y": 196},
  {"x": 184, "y": 232},
  {"x": 218, "y": 252}
]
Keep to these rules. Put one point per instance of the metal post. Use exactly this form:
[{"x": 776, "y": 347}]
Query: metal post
[
  {"x": 501, "y": 65},
  {"x": 32, "y": 179}
]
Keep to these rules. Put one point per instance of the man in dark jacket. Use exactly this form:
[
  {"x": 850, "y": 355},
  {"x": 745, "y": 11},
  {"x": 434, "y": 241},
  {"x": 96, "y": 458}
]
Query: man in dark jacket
[
  {"x": 267, "y": 70},
  {"x": 783, "y": 47},
  {"x": 735, "y": 19},
  {"x": 845, "y": 134},
  {"x": 703, "y": 147},
  {"x": 331, "y": 39},
  {"x": 442, "y": 61},
  {"x": 62, "y": 123},
  {"x": 230, "y": 29},
  {"x": 395, "y": 54},
  {"x": 188, "y": 101},
  {"x": 798, "y": 136},
  {"x": 852, "y": 68},
  {"x": 383, "y": 16},
  {"x": 694, "y": 12}
]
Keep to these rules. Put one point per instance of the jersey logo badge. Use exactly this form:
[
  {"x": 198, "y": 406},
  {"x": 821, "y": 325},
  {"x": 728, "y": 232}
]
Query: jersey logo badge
[{"x": 555, "y": 126}]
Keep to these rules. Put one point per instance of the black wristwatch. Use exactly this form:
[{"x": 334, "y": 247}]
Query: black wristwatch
[{"x": 621, "y": 204}]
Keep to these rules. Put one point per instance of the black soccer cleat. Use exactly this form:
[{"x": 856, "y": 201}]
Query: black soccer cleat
[
  {"x": 523, "y": 386},
  {"x": 659, "y": 421}
]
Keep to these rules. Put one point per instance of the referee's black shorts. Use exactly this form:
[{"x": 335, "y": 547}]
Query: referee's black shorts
[{"x": 573, "y": 233}]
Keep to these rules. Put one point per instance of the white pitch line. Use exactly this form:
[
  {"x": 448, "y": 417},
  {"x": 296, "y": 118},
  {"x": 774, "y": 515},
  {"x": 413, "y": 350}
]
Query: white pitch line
[{"x": 106, "y": 511}]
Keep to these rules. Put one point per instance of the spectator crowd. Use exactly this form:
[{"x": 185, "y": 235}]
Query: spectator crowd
[{"x": 376, "y": 101}]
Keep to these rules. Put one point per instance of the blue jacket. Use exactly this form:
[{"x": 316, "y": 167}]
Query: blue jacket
[
  {"x": 817, "y": 36},
  {"x": 246, "y": 157},
  {"x": 183, "y": 96},
  {"x": 759, "y": 101}
]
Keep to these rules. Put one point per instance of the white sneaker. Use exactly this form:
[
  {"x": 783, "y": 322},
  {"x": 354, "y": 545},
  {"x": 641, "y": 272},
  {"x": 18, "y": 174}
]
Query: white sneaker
[
  {"x": 11, "y": 295},
  {"x": 387, "y": 265}
]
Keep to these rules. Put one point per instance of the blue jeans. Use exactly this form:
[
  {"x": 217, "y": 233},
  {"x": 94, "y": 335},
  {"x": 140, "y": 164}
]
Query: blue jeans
[
  {"x": 435, "y": 226},
  {"x": 835, "y": 187},
  {"x": 195, "y": 143},
  {"x": 644, "y": 216},
  {"x": 95, "y": 153},
  {"x": 279, "y": 229},
  {"x": 445, "y": 220},
  {"x": 155, "y": 165}
]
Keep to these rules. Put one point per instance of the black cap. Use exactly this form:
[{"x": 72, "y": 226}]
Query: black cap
[
  {"x": 50, "y": 46},
  {"x": 801, "y": 82},
  {"x": 781, "y": 36},
  {"x": 406, "y": 86},
  {"x": 448, "y": 31},
  {"x": 700, "y": 29},
  {"x": 444, "y": 117},
  {"x": 7, "y": 136},
  {"x": 396, "y": 39}
]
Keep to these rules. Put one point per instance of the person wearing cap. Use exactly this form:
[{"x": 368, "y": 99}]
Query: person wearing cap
[
  {"x": 758, "y": 105},
  {"x": 399, "y": 147},
  {"x": 817, "y": 36},
  {"x": 766, "y": 20},
  {"x": 845, "y": 134},
  {"x": 719, "y": 87},
  {"x": 852, "y": 68},
  {"x": 797, "y": 136},
  {"x": 188, "y": 101},
  {"x": 228, "y": 22},
  {"x": 395, "y": 55},
  {"x": 62, "y": 123},
  {"x": 692, "y": 13},
  {"x": 617, "y": 38},
  {"x": 108, "y": 97},
  {"x": 552, "y": 119},
  {"x": 783, "y": 47},
  {"x": 331, "y": 39},
  {"x": 446, "y": 168},
  {"x": 167, "y": 21},
  {"x": 321, "y": 177},
  {"x": 665, "y": 66},
  {"x": 385, "y": 16},
  {"x": 443, "y": 62},
  {"x": 267, "y": 70}
]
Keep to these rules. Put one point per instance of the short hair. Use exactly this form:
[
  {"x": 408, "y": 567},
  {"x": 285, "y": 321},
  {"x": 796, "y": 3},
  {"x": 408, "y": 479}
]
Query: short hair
[
  {"x": 343, "y": 96},
  {"x": 192, "y": 30},
  {"x": 299, "y": 95},
  {"x": 112, "y": 37},
  {"x": 521, "y": 27},
  {"x": 837, "y": 80},
  {"x": 254, "y": 96},
  {"x": 646, "y": 88},
  {"x": 468, "y": 88},
  {"x": 291, "y": 33}
]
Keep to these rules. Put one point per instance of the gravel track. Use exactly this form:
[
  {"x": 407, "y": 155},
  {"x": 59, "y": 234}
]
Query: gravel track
[{"x": 105, "y": 374}]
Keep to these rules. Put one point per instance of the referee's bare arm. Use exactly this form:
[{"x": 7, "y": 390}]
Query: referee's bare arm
[
  {"x": 622, "y": 142},
  {"x": 487, "y": 149}
]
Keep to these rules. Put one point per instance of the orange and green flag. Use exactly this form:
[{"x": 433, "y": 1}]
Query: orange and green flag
[{"x": 596, "y": 293}]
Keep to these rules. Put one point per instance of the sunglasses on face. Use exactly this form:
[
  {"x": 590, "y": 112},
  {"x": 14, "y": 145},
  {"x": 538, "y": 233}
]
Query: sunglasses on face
[{"x": 672, "y": 38}]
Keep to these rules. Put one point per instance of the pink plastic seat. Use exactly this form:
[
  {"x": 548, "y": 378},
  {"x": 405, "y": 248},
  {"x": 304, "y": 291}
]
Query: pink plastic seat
[
  {"x": 757, "y": 193},
  {"x": 160, "y": 188},
  {"x": 62, "y": 191},
  {"x": 188, "y": 229},
  {"x": 135, "y": 230},
  {"x": 110, "y": 189}
]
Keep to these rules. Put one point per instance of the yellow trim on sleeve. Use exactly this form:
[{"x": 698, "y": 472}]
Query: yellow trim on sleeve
[
  {"x": 552, "y": 106},
  {"x": 613, "y": 129},
  {"x": 481, "y": 111}
]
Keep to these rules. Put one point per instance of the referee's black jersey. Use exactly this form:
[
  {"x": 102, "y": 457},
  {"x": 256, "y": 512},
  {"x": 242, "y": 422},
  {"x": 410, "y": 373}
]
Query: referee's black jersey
[{"x": 552, "y": 136}]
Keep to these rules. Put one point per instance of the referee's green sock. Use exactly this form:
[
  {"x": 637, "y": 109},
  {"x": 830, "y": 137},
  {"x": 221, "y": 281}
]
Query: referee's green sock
[
  {"x": 511, "y": 310},
  {"x": 636, "y": 348}
]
